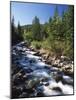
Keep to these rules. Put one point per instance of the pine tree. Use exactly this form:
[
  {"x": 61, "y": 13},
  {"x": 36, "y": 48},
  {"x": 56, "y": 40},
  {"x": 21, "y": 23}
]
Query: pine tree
[
  {"x": 56, "y": 13},
  {"x": 13, "y": 32},
  {"x": 44, "y": 33},
  {"x": 20, "y": 32},
  {"x": 69, "y": 31},
  {"x": 36, "y": 29}
]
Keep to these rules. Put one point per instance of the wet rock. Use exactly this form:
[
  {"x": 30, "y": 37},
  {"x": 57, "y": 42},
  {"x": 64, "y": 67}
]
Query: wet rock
[
  {"x": 58, "y": 77},
  {"x": 40, "y": 94},
  {"x": 56, "y": 62},
  {"x": 15, "y": 69},
  {"x": 68, "y": 69},
  {"x": 47, "y": 67},
  {"x": 58, "y": 89},
  {"x": 31, "y": 48},
  {"x": 34, "y": 94},
  {"x": 48, "y": 62},
  {"x": 16, "y": 92},
  {"x": 23, "y": 72},
  {"x": 23, "y": 95},
  {"x": 37, "y": 53},
  {"x": 28, "y": 90},
  {"x": 64, "y": 58},
  {"x": 17, "y": 81},
  {"x": 67, "y": 80},
  {"x": 32, "y": 82},
  {"x": 47, "y": 84},
  {"x": 32, "y": 61}
]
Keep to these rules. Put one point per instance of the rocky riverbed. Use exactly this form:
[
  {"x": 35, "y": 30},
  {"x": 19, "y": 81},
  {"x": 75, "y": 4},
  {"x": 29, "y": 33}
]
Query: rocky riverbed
[{"x": 34, "y": 75}]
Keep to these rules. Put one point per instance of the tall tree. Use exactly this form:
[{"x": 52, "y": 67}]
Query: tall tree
[
  {"x": 56, "y": 13},
  {"x": 56, "y": 25},
  {"x": 56, "y": 35},
  {"x": 36, "y": 29},
  {"x": 20, "y": 32},
  {"x": 44, "y": 33},
  {"x": 68, "y": 22},
  {"x": 13, "y": 32}
]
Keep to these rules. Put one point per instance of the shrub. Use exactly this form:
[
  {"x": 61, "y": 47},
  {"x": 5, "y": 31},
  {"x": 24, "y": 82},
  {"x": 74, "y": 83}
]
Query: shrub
[{"x": 36, "y": 44}]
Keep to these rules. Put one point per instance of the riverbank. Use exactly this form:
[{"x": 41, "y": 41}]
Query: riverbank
[
  {"x": 63, "y": 63},
  {"x": 35, "y": 75}
]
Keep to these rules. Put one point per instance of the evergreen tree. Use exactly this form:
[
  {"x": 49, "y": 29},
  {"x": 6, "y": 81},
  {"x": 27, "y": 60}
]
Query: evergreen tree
[
  {"x": 68, "y": 22},
  {"x": 56, "y": 14},
  {"x": 56, "y": 26},
  {"x": 13, "y": 32},
  {"x": 44, "y": 33},
  {"x": 50, "y": 20},
  {"x": 36, "y": 29},
  {"x": 20, "y": 32}
]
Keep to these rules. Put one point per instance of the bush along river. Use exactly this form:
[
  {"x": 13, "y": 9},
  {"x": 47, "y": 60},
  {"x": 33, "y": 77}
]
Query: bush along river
[{"x": 33, "y": 76}]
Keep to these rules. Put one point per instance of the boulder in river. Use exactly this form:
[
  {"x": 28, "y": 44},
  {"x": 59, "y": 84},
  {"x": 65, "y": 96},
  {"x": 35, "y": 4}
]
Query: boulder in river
[
  {"x": 58, "y": 89},
  {"x": 32, "y": 82}
]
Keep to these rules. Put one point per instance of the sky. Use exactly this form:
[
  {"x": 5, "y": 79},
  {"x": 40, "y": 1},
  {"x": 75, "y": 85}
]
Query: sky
[{"x": 25, "y": 12}]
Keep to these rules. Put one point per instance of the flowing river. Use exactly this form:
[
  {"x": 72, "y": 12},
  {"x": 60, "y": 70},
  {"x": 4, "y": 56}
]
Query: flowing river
[{"x": 40, "y": 79}]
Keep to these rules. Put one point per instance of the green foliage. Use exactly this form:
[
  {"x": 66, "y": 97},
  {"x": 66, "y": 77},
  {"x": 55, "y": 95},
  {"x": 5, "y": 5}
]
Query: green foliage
[
  {"x": 28, "y": 36},
  {"x": 36, "y": 44},
  {"x": 56, "y": 35},
  {"x": 44, "y": 33},
  {"x": 61, "y": 31},
  {"x": 69, "y": 49},
  {"x": 20, "y": 32},
  {"x": 46, "y": 45},
  {"x": 14, "y": 34},
  {"x": 36, "y": 29}
]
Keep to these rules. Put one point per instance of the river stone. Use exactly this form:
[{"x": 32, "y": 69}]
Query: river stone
[
  {"x": 58, "y": 76},
  {"x": 67, "y": 80},
  {"x": 32, "y": 82},
  {"x": 58, "y": 89},
  {"x": 16, "y": 92},
  {"x": 23, "y": 95}
]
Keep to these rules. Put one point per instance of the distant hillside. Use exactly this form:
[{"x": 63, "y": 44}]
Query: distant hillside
[{"x": 28, "y": 27}]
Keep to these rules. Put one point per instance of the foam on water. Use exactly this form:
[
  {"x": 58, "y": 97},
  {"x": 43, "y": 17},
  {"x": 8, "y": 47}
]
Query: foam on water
[
  {"x": 67, "y": 89},
  {"x": 30, "y": 52},
  {"x": 48, "y": 92},
  {"x": 40, "y": 73},
  {"x": 32, "y": 56}
]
